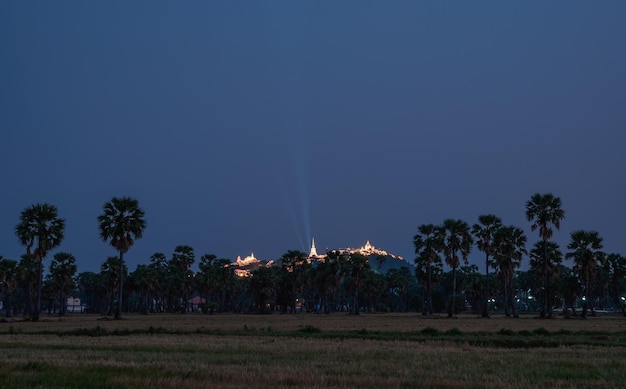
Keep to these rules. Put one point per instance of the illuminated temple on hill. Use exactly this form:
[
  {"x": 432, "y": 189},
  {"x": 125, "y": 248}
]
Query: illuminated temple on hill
[
  {"x": 244, "y": 267},
  {"x": 367, "y": 249}
]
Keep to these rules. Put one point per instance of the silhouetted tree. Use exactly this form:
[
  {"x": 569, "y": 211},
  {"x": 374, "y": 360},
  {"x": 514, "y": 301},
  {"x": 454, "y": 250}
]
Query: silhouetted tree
[
  {"x": 428, "y": 244},
  {"x": 8, "y": 283},
  {"x": 457, "y": 240},
  {"x": 121, "y": 223},
  {"x": 545, "y": 257},
  {"x": 40, "y": 229},
  {"x": 484, "y": 232},
  {"x": 544, "y": 211},
  {"x": 508, "y": 249},
  {"x": 62, "y": 270},
  {"x": 586, "y": 251}
]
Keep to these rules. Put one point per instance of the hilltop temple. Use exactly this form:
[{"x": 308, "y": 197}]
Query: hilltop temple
[
  {"x": 313, "y": 252},
  {"x": 245, "y": 266},
  {"x": 367, "y": 249}
]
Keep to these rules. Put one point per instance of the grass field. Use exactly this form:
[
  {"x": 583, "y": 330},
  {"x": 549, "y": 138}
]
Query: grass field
[{"x": 312, "y": 351}]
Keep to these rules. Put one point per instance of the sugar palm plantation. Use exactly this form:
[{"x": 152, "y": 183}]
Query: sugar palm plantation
[
  {"x": 586, "y": 251},
  {"x": 344, "y": 281},
  {"x": 121, "y": 224},
  {"x": 484, "y": 232},
  {"x": 40, "y": 230},
  {"x": 545, "y": 212}
]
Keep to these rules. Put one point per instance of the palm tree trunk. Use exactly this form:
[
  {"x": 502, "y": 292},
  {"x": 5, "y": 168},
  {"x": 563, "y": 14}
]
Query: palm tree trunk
[
  {"x": 62, "y": 308},
  {"x": 512, "y": 299},
  {"x": 545, "y": 311},
  {"x": 424, "y": 301},
  {"x": 486, "y": 305},
  {"x": 506, "y": 297},
  {"x": 453, "y": 302},
  {"x": 120, "y": 280},
  {"x": 39, "y": 283},
  {"x": 430, "y": 290},
  {"x": 356, "y": 297},
  {"x": 584, "y": 314}
]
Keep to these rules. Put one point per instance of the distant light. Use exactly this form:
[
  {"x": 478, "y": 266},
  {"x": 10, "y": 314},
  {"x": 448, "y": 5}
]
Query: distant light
[
  {"x": 584, "y": 298},
  {"x": 623, "y": 298}
]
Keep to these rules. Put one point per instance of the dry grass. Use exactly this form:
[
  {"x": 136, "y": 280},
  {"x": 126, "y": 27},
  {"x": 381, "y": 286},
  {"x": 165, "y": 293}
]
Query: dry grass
[
  {"x": 334, "y": 322},
  {"x": 194, "y": 360}
]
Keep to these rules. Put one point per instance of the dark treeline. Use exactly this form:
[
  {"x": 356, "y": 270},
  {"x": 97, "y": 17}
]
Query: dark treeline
[{"x": 341, "y": 282}]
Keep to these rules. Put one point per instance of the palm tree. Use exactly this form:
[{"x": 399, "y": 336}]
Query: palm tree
[
  {"x": 62, "y": 270},
  {"x": 145, "y": 280},
  {"x": 293, "y": 263},
  {"x": 263, "y": 287},
  {"x": 121, "y": 223},
  {"x": 181, "y": 262},
  {"x": 27, "y": 279},
  {"x": 358, "y": 263},
  {"x": 428, "y": 245},
  {"x": 484, "y": 234},
  {"x": 329, "y": 273},
  {"x": 457, "y": 240},
  {"x": 617, "y": 265},
  {"x": 586, "y": 251},
  {"x": 568, "y": 288},
  {"x": 40, "y": 230},
  {"x": 509, "y": 247},
  {"x": 8, "y": 283},
  {"x": 109, "y": 273},
  {"x": 541, "y": 251},
  {"x": 158, "y": 262},
  {"x": 544, "y": 210}
]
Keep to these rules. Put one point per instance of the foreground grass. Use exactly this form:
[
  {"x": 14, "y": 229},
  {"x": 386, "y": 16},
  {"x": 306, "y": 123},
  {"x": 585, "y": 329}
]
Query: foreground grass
[{"x": 314, "y": 351}]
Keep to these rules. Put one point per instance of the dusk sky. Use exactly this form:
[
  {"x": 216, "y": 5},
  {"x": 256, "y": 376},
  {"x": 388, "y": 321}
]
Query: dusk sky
[{"x": 247, "y": 126}]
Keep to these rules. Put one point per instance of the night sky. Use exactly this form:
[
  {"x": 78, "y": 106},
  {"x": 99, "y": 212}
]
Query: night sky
[{"x": 254, "y": 126}]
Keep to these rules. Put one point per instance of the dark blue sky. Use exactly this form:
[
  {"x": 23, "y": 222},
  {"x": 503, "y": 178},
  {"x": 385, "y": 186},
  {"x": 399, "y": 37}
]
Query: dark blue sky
[{"x": 250, "y": 126}]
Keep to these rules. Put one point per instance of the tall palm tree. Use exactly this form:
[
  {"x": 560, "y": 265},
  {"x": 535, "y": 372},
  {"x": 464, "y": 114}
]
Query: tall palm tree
[
  {"x": 62, "y": 269},
  {"x": 428, "y": 246},
  {"x": 586, "y": 251},
  {"x": 509, "y": 248},
  {"x": 121, "y": 223},
  {"x": 544, "y": 211},
  {"x": 457, "y": 240},
  {"x": 484, "y": 232},
  {"x": 40, "y": 229}
]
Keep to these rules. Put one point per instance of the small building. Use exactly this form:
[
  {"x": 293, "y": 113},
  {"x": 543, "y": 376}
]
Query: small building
[
  {"x": 74, "y": 304},
  {"x": 195, "y": 303}
]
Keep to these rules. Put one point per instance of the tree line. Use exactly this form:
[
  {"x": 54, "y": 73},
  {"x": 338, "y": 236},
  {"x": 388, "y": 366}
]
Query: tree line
[{"x": 347, "y": 282}]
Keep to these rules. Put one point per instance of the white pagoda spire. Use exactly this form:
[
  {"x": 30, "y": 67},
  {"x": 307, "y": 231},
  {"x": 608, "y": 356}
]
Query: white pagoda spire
[{"x": 313, "y": 252}]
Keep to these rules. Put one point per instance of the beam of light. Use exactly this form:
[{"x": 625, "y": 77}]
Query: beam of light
[{"x": 293, "y": 186}]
